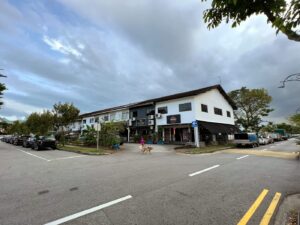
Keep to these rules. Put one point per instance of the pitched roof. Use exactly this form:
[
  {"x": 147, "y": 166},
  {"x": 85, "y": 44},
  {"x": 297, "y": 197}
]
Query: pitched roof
[{"x": 164, "y": 98}]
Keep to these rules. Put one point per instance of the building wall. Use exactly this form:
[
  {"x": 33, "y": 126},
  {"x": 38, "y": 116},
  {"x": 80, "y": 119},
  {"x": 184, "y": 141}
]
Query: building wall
[
  {"x": 115, "y": 116},
  {"x": 173, "y": 109},
  {"x": 213, "y": 98}
]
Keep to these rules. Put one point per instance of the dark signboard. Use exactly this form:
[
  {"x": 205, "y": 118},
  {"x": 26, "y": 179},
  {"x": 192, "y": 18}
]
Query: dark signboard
[{"x": 173, "y": 119}]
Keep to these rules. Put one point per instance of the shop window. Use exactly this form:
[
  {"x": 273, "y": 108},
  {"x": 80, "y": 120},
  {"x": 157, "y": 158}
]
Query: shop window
[
  {"x": 218, "y": 111},
  {"x": 162, "y": 110},
  {"x": 204, "y": 108},
  {"x": 228, "y": 114},
  {"x": 185, "y": 107}
]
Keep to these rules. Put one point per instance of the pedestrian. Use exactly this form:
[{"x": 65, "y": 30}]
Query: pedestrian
[{"x": 142, "y": 141}]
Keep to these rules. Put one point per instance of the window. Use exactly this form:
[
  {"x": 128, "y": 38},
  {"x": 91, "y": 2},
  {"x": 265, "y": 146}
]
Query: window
[
  {"x": 162, "y": 110},
  {"x": 134, "y": 114},
  {"x": 97, "y": 120},
  {"x": 228, "y": 114},
  {"x": 113, "y": 116},
  {"x": 84, "y": 121},
  {"x": 204, "y": 108},
  {"x": 124, "y": 115},
  {"x": 185, "y": 107},
  {"x": 218, "y": 111},
  {"x": 105, "y": 118},
  {"x": 92, "y": 120}
]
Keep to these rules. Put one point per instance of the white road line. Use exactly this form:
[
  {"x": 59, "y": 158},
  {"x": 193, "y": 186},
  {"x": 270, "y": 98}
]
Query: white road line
[
  {"x": 205, "y": 170},
  {"x": 35, "y": 155},
  {"x": 242, "y": 157},
  {"x": 264, "y": 149},
  {"x": 69, "y": 157},
  {"x": 88, "y": 211}
]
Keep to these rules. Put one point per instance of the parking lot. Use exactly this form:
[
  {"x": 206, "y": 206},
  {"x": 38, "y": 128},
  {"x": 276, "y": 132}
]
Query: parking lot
[{"x": 40, "y": 187}]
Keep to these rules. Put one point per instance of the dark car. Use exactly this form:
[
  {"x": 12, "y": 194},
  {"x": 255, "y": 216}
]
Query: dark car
[
  {"x": 12, "y": 139},
  {"x": 44, "y": 142},
  {"x": 28, "y": 142},
  {"x": 19, "y": 139}
]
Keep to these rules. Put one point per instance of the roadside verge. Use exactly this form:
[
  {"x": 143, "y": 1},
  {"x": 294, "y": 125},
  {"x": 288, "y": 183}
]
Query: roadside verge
[{"x": 284, "y": 155}]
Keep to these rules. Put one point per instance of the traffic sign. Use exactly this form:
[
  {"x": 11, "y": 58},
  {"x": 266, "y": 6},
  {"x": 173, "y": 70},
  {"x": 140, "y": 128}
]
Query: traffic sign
[{"x": 195, "y": 124}]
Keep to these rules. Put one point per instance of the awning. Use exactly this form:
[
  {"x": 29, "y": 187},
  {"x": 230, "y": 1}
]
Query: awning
[{"x": 216, "y": 128}]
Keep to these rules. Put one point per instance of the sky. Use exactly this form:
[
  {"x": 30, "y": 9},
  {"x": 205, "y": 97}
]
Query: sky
[{"x": 99, "y": 53}]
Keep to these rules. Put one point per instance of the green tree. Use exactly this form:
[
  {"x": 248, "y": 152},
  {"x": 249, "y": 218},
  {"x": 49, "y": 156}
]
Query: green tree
[
  {"x": 2, "y": 89},
  {"x": 19, "y": 128},
  {"x": 284, "y": 15},
  {"x": 295, "y": 119},
  {"x": 40, "y": 123},
  {"x": 253, "y": 104},
  {"x": 64, "y": 114}
]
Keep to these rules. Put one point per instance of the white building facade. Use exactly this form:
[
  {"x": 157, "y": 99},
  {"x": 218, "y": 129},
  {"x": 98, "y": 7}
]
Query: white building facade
[{"x": 211, "y": 108}]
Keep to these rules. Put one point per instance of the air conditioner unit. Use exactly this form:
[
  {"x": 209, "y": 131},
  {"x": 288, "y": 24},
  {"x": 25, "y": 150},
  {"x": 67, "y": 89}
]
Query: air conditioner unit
[
  {"x": 151, "y": 117},
  {"x": 133, "y": 119},
  {"x": 158, "y": 115},
  {"x": 150, "y": 122}
]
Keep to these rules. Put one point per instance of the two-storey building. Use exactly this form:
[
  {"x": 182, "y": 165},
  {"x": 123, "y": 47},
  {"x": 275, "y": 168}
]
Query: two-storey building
[{"x": 211, "y": 107}]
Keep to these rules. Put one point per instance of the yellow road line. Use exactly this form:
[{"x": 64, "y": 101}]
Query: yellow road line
[
  {"x": 253, "y": 208},
  {"x": 267, "y": 217}
]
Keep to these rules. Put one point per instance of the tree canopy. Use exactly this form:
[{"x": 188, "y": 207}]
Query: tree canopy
[
  {"x": 64, "y": 114},
  {"x": 295, "y": 119},
  {"x": 40, "y": 123},
  {"x": 284, "y": 15},
  {"x": 2, "y": 89},
  {"x": 253, "y": 104}
]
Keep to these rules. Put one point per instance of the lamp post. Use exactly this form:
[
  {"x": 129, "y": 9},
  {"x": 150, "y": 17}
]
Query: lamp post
[{"x": 292, "y": 77}]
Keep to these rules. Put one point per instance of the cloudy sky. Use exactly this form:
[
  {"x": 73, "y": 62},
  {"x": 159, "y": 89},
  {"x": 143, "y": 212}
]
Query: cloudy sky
[{"x": 99, "y": 53}]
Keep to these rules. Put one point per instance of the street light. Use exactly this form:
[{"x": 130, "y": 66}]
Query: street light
[{"x": 292, "y": 77}]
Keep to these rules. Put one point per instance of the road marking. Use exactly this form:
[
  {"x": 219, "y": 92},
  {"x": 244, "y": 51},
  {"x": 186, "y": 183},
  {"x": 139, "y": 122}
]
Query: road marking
[
  {"x": 264, "y": 149},
  {"x": 35, "y": 155},
  {"x": 69, "y": 157},
  {"x": 205, "y": 170},
  {"x": 253, "y": 207},
  {"x": 267, "y": 217},
  {"x": 88, "y": 211},
  {"x": 242, "y": 157}
]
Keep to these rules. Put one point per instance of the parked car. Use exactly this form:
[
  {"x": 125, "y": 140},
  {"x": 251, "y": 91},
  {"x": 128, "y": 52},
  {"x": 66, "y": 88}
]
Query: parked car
[
  {"x": 246, "y": 139},
  {"x": 270, "y": 140},
  {"x": 19, "y": 139},
  {"x": 262, "y": 140},
  {"x": 28, "y": 142},
  {"x": 12, "y": 139},
  {"x": 44, "y": 142}
]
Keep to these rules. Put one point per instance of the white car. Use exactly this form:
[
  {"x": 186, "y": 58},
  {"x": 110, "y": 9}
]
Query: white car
[{"x": 262, "y": 141}]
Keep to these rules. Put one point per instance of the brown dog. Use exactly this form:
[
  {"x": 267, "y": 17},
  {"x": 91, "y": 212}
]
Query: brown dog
[{"x": 146, "y": 149}]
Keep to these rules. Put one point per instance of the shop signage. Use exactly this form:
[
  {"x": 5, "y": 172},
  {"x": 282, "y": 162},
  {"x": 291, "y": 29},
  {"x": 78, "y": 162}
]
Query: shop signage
[{"x": 173, "y": 119}]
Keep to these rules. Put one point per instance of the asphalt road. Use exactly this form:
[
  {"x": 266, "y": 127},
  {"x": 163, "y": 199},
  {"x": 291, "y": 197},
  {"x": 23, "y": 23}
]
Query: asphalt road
[
  {"x": 131, "y": 188},
  {"x": 282, "y": 146}
]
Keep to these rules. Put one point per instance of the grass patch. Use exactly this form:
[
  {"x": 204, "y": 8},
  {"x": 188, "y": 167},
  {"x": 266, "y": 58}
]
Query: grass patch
[
  {"x": 207, "y": 149},
  {"x": 85, "y": 150}
]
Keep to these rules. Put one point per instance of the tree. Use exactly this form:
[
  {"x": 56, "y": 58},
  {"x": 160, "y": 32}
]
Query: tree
[
  {"x": 253, "y": 104},
  {"x": 19, "y": 128},
  {"x": 2, "y": 88},
  {"x": 295, "y": 119},
  {"x": 40, "y": 123},
  {"x": 64, "y": 114},
  {"x": 284, "y": 15}
]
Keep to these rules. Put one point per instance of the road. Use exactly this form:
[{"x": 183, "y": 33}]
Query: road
[
  {"x": 133, "y": 188},
  {"x": 282, "y": 146}
]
